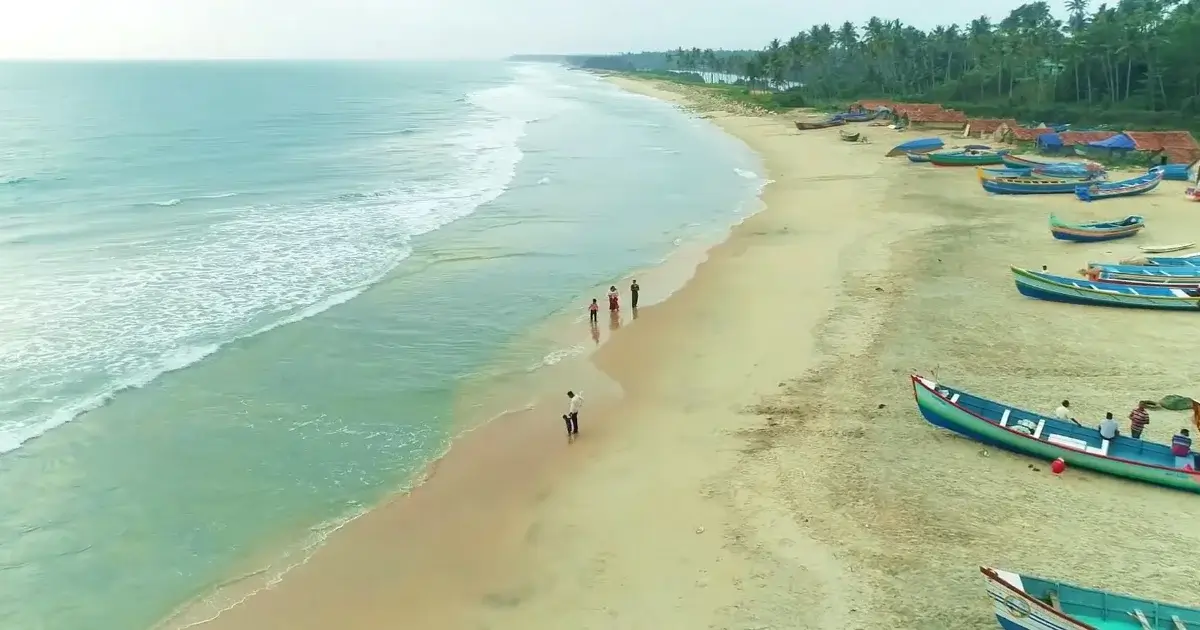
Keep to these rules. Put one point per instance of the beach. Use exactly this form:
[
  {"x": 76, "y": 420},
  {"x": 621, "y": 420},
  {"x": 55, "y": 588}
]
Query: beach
[{"x": 752, "y": 457}]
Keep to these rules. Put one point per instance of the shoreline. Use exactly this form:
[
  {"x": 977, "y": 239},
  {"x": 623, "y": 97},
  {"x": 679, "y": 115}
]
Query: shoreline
[
  {"x": 660, "y": 281},
  {"x": 762, "y": 466}
]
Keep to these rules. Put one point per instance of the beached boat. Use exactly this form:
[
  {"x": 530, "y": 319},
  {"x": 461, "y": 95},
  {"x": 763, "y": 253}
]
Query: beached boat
[
  {"x": 920, "y": 158},
  {"x": 822, "y": 124},
  {"x": 970, "y": 157},
  {"x": 1044, "y": 286},
  {"x": 1162, "y": 249},
  {"x": 1097, "y": 231},
  {"x": 1126, "y": 188},
  {"x": 850, "y": 136},
  {"x": 857, "y": 116},
  {"x": 1016, "y": 161},
  {"x": 1032, "y": 173},
  {"x": 1164, "y": 274},
  {"x": 1046, "y": 438},
  {"x": 1027, "y": 185},
  {"x": 1025, "y": 602},
  {"x": 1173, "y": 172},
  {"x": 920, "y": 145}
]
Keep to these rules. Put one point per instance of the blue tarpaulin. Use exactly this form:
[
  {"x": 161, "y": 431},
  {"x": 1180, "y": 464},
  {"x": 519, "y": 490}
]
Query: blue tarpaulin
[
  {"x": 1048, "y": 141},
  {"x": 1119, "y": 142}
]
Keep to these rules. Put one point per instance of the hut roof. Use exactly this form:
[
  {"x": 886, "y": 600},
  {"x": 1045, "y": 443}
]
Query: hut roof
[
  {"x": 989, "y": 125},
  {"x": 1084, "y": 137},
  {"x": 1179, "y": 146},
  {"x": 937, "y": 115}
]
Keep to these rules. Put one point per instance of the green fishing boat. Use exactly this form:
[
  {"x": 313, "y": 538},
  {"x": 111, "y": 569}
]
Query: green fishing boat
[{"x": 968, "y": 158}]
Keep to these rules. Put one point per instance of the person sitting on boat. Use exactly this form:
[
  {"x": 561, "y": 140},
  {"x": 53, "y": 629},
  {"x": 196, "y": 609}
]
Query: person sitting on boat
[
  {"x": 1108, "y": 427},
  {"x": 1181, "y": 448},
  {"x": 1064, "y": 411},
  {"x": 1138, "y": 419}
]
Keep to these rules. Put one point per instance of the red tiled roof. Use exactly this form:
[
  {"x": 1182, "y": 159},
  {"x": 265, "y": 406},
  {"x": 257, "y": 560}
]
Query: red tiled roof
[
  {"x": 989, "y": 125},
  {"x": 1025, "y": 134},
  {"x": 904, "y": 108},
  {"x": 872, "y": 105},
  {"x": 1179, "y": 146},
  {"x": 936, "y": 115},
  {"x": 1083, "y": 137}
]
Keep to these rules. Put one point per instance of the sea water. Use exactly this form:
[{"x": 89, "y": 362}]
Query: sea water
[{"x": 238, "y": 297}]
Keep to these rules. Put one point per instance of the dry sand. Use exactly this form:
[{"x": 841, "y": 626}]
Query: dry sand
[{"x": 766, "y": 467}]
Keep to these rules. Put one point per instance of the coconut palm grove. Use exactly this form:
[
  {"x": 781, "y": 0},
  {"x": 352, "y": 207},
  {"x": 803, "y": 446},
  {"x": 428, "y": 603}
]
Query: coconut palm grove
[{"x": 1135, "y": 62}]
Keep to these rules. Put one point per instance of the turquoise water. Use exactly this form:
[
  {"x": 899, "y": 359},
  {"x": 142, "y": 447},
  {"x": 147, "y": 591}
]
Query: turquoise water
[{"x": 240, "y": 297}]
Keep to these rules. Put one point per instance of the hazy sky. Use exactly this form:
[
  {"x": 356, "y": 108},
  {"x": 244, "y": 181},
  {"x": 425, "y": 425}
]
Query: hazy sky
[{"x": 428, "y": 28}]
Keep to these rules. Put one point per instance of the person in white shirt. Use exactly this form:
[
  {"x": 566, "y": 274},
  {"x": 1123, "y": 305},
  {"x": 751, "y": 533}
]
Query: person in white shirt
[
  {"x": 1064, "y": 411},
  {"x": 1108, "y": 427},
  {"x": 572, "y": 415}
]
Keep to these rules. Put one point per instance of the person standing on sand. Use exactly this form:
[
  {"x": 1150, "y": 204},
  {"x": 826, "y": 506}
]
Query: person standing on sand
[
  {"x": 1138, "y": 419},
  {"x": 572, "y": 415},
  {"x": 593, "y": 311},
  {"x": 633, "y": 293},
  {"x": 614, "y": 299}
]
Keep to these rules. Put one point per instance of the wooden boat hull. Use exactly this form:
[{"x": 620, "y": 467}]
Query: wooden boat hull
[
  {"x": 920, "y": 158},
  {"x": 1181, "y": 274},
  {"x": 850, "y": 137},
  {"x": 1096, "y": 232},
  {"x": 1025, "y": 602},
  {"x": 920, "y": 145},
  {"x": 1126, "y": 188},
  {"x": 1041, "y": 437},
  {"x": 1027, "y": 186},
  {"x": 1163, "y": 249},
  {"x": 963, "y": 159},
  {"x": 1044, "y": 286},
  {"x": 824, "y": 124}
]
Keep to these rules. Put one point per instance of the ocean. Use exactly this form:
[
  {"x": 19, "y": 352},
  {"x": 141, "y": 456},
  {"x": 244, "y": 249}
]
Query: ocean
[{"x": 241, "y": 298}]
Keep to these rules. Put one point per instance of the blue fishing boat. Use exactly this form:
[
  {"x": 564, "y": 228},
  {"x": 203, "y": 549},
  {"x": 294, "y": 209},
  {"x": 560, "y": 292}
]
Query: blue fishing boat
[
  {"x": 1044, "y": 286},
  {"x": 1174, "y": 172},
  {"x": 1192, "y": 260},
  {"x": 1028, "y": 185},
  {"x": 920, "y": 158},
  {"x": 1126, "y": 188},
  {"x": 1181, "y": 274},
  {"x": 1016, "y": 161},
  {"x": 1098, "y": 231},
  {"x": 1003, "y": 171},
  {"x": 1025, "y": 602},
  {"x": 920, "y": 145},
  {"x": 1027, "y": 433}
]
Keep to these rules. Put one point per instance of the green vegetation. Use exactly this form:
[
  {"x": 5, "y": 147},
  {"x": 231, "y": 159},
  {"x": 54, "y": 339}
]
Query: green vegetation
[{"x": 1133, "y": 64}]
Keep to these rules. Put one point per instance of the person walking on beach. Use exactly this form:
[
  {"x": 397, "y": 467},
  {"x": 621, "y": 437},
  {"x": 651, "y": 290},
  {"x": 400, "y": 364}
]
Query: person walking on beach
[
  {"x": 572, "y": 415},
  {"x": 614, "y": 299},
  {"x": 593, "y": 311},
  {"x": 633, "y": 293},
  {"x": 1138, "y": 419}
]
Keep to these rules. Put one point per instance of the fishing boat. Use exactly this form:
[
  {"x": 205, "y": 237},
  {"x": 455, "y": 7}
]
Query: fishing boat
[
  {"x": 823, "y": 124},
  {"x": 1163, "y": 249},
  {"x": 1003, "y": 171},
  {"x": 1126, "y": 188},
  {"x": 1173, "y": 172},
  {"x": 970, "y": 157},
  {"x": 1027, "y": 185},
  {"x": 1025, "y": 602},
  {"x": 850, "y": 136},
  {"x": 1098, "y": 231},
  {"x": 1160, "y": 274},
  {"x": 920, "y": 145},
  {"x": 858, "y": 116},
  {"x": 1052, "y": 288},
  {"x": 920, "y": 158},
  {"x": 1042, "y": 437}
]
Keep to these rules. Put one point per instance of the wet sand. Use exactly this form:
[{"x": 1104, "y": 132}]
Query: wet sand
[{"x": 762, "y": 464}]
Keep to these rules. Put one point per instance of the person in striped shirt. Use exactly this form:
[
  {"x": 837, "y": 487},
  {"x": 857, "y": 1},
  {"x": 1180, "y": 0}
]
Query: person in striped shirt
[{"x": 1138, "y": 419}]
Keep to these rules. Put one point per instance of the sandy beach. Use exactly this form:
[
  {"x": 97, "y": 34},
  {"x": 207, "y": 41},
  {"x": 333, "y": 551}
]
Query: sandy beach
[{"x": 760, "y": 463}]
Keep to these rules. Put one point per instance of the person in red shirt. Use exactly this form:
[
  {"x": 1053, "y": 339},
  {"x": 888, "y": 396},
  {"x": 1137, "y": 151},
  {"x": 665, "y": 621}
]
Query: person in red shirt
[
  {"x": 593, "y": 311},
  {"x": 1138, "y": 419}
]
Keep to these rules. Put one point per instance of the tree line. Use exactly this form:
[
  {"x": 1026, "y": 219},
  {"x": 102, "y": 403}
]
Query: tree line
[{"x": 1134, "y": 56}]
